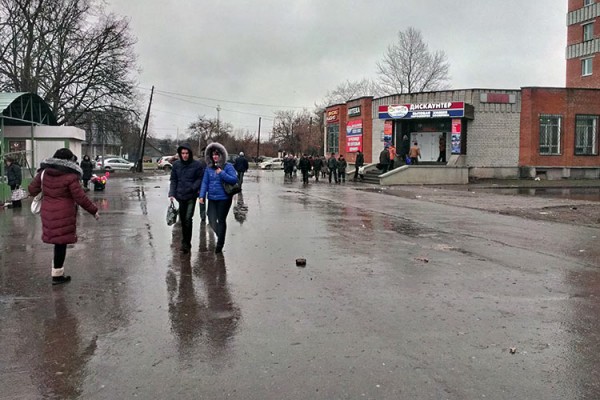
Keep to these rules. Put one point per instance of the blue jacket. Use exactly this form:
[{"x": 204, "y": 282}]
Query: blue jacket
[{"x": 212, "y": 183}]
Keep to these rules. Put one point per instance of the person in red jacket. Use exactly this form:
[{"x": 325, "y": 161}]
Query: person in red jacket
[{"x": 62, "y": 191}]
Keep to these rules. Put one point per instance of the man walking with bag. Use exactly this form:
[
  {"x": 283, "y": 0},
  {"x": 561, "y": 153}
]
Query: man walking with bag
[
  {"x": 186, "y": 178},
  {"x": 14, "y": 177}
]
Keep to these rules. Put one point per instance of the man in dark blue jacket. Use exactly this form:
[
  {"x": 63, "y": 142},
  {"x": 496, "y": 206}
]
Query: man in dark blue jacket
[
  {"x": 241, "y": 166},
  {"x": 186, "y": 178}
]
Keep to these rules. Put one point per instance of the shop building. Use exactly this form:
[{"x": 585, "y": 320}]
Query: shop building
[
  {"x": 496, "y": 133},
  {"x": 349, "y": 128}
]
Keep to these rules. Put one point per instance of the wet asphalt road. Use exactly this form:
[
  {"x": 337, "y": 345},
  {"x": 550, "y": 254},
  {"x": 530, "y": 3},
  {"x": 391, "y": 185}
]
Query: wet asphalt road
[{"x": 400, "y": 299}]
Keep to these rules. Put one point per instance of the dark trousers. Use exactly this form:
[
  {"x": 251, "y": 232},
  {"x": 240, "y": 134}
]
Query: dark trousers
[
  {"x": 217, "y": 218},
  {"x": 384, "y": 168},
  {"x": 414, "y": 160},
  {"x": 342, "y": 175},
  {"x": 304, "y": 176},
  {"x": 17, "y": 203},
  {"x": 356, "y": 167},
  {"x": 317, "y": 173},
  {"x": 186, "y": 216},
  {"x": 240, "y": 175},
  {"x": 442, "y": 157},
  {"x": 334, "y": 173},
  {"x": 60, "y": 253}
]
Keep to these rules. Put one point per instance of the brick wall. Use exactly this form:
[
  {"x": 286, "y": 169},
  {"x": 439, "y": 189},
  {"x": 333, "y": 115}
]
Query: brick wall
[
  {"x": 564, "y": 102},
  {"x": 492, "y": 137}
]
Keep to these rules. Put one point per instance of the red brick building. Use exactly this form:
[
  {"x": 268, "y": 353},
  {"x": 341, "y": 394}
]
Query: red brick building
[
  {"x": 559, "y": 132},
  {"x": 349, "y": 127},
  {"x": 583, "y": 44}
]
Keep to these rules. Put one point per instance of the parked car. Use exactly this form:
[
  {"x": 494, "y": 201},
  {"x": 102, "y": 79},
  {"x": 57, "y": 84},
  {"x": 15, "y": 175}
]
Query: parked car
[
  {"x": 166, "y": 162},
  {"x": 274, "y": 163},
  {"x": 116, "y": 164}
]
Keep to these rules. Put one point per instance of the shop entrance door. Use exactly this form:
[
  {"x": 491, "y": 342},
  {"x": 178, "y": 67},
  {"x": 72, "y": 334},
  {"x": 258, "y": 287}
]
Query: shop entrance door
[{"x": 429, "y": 144}]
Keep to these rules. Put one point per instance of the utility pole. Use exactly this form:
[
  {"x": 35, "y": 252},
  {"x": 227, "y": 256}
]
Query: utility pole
[
  {"x": 140, "y": 165},
  {"x": 258, "y": 142},
  {"x": 218, "y": 118}
]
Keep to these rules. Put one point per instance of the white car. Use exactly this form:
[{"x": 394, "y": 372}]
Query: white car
[
  {"x": 274, "y": 163},
  {"x": 116, "y": 164},
  {"x": 166, "y": 162}
]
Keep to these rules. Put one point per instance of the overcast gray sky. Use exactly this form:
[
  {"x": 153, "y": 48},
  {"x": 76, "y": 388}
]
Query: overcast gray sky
[{"x": 239, "y": 54}]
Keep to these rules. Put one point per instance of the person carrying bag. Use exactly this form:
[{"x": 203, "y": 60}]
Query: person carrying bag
[{"x": 218, "y": 174}]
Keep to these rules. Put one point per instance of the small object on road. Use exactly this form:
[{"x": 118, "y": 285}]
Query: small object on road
[
  {"x": 424, "y": 259},
  {"x": 573, "y": 208},
  {"x": 512, "y": 350},
  {"x": 300, "y": 262},
  {"x": 537, "y": 178}
]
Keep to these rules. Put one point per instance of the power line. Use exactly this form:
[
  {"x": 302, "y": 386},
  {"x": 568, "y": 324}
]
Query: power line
[{"x": 165, "y": 93}]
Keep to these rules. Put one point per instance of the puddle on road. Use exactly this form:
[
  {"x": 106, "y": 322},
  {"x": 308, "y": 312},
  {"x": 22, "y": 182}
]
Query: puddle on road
[{"x": 589, "y": 194}]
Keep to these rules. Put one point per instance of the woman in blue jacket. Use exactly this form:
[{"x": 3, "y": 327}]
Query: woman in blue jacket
[{"x": 218, "y": 170}]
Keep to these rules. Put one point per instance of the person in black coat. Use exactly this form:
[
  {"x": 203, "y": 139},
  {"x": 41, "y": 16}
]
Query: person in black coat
[
  {"x": 360, "y": 161},
  {"x": 241, "y": 166},
  {"x": 14, "y": 177},
  {"x": 186, "y": 178},
  {"x": 87, "y": 167},
  {"x": 304, "y": 165}
]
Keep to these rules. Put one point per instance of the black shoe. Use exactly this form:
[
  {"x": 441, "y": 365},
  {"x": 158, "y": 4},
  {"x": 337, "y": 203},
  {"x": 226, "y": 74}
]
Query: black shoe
[{"x": 57, "y": 280}]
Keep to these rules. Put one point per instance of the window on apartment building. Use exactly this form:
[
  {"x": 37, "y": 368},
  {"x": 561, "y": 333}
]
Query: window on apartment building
[
  {"x": 333, "y": 139},
  {"x": 550, "y": 134},
  {"x": 588, "y": 32},
  {"x": 588, "y": 2},
  {"x": 586, "y": 66},
  {"x": 586, "y": 135}
]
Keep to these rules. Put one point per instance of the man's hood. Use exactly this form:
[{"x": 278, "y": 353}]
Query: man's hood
[
  {"x": 222, "y": 152},
  {"x": 188, "y": 148}
]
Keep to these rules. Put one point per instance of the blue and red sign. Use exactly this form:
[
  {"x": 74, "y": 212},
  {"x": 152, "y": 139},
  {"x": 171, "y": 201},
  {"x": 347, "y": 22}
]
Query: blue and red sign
[
  {"x": 354, "y": 135},
  {"x": 454, "y": 109}
]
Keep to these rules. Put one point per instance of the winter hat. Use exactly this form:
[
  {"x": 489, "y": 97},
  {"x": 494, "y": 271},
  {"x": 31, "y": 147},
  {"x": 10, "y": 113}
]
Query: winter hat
[
  {"x": 64, "y": 154},
  {"x": 242, "y": 153}
]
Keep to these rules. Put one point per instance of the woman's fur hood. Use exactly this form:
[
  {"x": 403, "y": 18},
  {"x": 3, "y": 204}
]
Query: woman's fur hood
[
  {"x": 65, "y": 166},
  {"x": 212, "y": 148}
]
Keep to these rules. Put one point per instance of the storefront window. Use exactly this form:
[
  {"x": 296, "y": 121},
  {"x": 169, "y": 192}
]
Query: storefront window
[
  {"x": 550, "y": 134},
  {"x": 333, "y": 138},
  {"x": 586, "y": 135}
]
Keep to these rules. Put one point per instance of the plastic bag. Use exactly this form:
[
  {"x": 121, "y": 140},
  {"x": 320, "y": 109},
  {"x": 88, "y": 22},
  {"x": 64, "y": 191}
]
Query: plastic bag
[
  {"x": 18, "y": 194},
  {"x": 172, "y": 214}
]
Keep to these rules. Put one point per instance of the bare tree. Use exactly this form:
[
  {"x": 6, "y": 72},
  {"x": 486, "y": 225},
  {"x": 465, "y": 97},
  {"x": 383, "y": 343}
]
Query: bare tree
[
  {"x": 409, "y": 67},
  {"x": 69, "y": 52},
  {"x": 295, "y": 132},
  {"x": 206, "y": 130},
  {"x": 350, "y": 90}
]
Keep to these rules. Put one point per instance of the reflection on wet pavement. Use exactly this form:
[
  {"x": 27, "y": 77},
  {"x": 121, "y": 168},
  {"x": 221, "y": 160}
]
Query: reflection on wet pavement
[{"x": 367, "y": 317}]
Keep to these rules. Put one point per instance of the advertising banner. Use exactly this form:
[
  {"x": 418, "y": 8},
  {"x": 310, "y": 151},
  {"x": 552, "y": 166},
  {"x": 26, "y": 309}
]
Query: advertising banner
[
  {"x": 454, "y": 109},
  {"x": 354, "y": 144},
  {"x": 388, "y": 128},
  {"x": 455, "y": 139},
  {"x": 354, "y": 135}
]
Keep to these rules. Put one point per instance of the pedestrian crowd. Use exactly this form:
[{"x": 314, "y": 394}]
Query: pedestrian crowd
[{"x": 210, "y": 179}]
